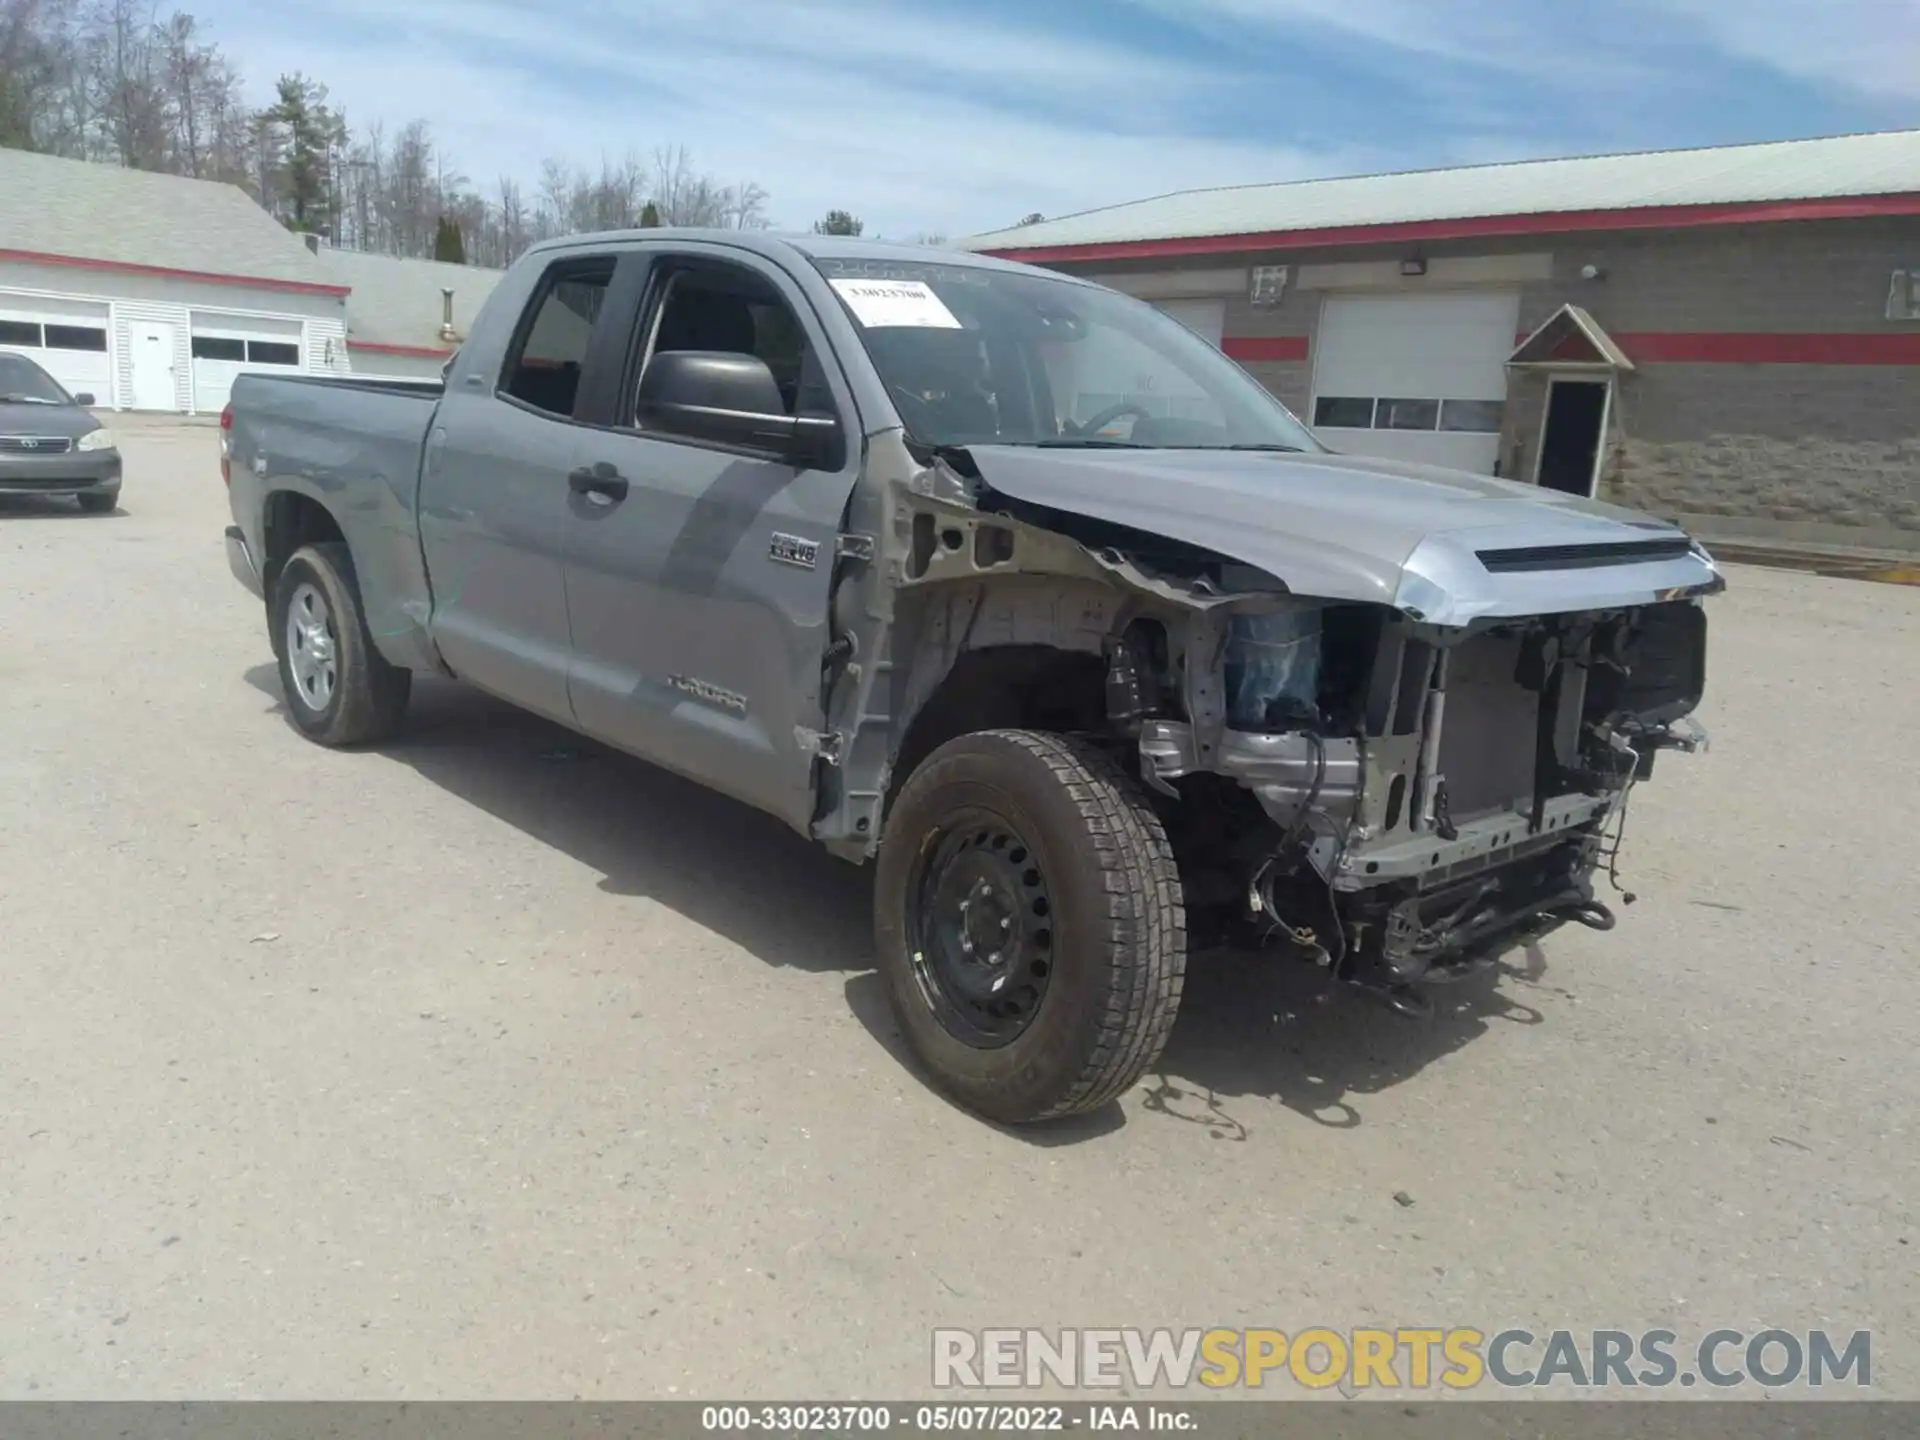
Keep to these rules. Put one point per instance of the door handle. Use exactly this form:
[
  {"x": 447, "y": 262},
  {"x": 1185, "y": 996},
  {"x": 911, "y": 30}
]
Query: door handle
[{"x": 599, "y": 478}]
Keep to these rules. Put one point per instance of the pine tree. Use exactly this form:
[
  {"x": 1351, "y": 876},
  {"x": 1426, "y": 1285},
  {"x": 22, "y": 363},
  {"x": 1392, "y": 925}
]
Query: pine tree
[
  {"x": 449, "y": 245},
  {"x": 839, "y": 222},
  {"x": 302, "y": 134},
  {"x": 650, "y": 216}
]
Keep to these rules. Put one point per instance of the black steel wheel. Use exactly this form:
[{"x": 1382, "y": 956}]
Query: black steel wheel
[
  {"x": 982, "y": 923},
  {"x": 1030, "y": 925}
]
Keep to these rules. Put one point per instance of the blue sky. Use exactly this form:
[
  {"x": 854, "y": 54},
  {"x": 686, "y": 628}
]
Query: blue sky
[{"x": 956, "y": 116}]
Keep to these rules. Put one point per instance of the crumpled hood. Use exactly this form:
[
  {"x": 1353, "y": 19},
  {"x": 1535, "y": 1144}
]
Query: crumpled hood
[{"x": 1346, "y": 527}]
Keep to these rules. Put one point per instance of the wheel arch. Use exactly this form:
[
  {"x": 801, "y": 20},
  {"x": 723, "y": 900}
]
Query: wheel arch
[
  {"x": 290, "y": 519},
  {"x": 1027, "y": 652},
  {"x": 388, "y": 569},
  {"x": 1031, "y": 686}
]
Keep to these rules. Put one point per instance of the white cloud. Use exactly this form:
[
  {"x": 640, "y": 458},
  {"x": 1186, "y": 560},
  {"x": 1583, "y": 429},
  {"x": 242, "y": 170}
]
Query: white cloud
[
  {"x": 923, "y": 120},
  {"x": 914, "y": 122},
  {"x": 1868, "y": 46}
]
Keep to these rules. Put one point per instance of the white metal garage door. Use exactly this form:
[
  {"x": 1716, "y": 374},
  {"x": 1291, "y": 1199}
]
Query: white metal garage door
[
  {"x": 1415, "y": 377},
  {"x": 1206, "y": 318},
  {"x": 66, "y": 338},
  {"x": 225, "y": 346}
]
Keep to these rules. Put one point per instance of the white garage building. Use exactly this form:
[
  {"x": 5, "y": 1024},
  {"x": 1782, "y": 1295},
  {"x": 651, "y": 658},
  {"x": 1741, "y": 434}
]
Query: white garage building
[{"x": 151, "y": 292}]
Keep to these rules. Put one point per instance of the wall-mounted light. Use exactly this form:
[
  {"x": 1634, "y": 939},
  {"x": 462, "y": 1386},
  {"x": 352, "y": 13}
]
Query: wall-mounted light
[
  {"x": 1592, "y": 272},
  {"x": 1269, "y": 284},
  {"x": 1414, "y": 265}
]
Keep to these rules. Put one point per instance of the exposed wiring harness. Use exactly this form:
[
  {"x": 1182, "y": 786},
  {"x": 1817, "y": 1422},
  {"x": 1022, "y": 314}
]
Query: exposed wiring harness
[
  {"x": 1260, "y": 897},
  {"x": 1608, "y": 848}
]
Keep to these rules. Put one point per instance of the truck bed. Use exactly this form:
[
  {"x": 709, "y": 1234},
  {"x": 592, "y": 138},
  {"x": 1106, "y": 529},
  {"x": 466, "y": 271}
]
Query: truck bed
[
  {"x": 355, "y": 446},
  {"x": 430, "y": 388}
]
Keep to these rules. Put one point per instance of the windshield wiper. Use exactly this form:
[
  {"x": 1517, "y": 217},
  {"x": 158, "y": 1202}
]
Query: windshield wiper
[
  {"x": 1091, "y": 445},
  {"x": 1277, "y": 449},
  {"x": 26, "y": 400}
]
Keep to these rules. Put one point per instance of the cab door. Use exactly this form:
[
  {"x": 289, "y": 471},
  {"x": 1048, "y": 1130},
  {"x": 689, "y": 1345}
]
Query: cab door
[
  {"x": 700, "y": 573},
  {"x": 496, "y": 521}
]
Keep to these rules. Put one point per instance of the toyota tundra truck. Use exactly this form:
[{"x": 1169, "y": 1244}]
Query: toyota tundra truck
[{"x": 1007, "y": 584}]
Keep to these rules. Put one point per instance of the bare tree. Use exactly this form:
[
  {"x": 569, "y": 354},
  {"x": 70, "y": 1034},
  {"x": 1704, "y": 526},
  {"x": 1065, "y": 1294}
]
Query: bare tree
[
  {"x": 411, "y": 195},
  {"x": 513, "y": 231},
  {"x": 222, "y": 119},
  {"x": 54, "y": 75},
  {"x": 361, "y": 172},
  {"x": 556, "y": 186},
  {"x": 685, "y": 196},
  {"x": 37, "y": 65},
  {"x": 141, "y": 84},
  {"x": 745, "y": 207},
  {"x": 200, "y": 86},
  {"x": 124, "y": 71}
]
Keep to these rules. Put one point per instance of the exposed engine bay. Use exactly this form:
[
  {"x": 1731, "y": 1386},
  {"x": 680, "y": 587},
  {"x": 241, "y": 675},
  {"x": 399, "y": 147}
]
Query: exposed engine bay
[
  {"x": 1395, "y": 800},
  {"x": 1394, "y": 778}
]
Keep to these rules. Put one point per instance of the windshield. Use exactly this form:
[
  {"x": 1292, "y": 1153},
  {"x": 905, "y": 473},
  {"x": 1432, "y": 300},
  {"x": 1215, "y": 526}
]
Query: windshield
[
  {"x": 22, "y": 380},
  {"x": 975, "y": 356}
]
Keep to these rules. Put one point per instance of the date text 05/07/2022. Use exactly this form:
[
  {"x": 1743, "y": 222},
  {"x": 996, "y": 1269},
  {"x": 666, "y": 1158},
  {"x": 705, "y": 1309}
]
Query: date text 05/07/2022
[{"x": 942, "y": 1418}]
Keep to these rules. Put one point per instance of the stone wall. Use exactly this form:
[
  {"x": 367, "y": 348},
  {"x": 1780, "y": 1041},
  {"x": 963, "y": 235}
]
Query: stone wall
[
  {"x": 1870, "y": 484},
  {"x": 1833, "y": 444}
]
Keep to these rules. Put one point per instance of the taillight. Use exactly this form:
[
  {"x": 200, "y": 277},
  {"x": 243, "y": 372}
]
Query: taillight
[{"x": 226, "y": 446}]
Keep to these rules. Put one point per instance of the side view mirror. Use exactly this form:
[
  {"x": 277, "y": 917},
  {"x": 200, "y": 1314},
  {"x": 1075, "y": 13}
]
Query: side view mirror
[
  {"x": 84, "y": 398},
  {"x": 733, "y": 399}
]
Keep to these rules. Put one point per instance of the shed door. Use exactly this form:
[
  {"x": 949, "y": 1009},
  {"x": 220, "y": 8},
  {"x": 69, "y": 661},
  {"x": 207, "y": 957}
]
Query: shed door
[
  {"x": 1415, "y": 377},
  {"x": 228, "y": 345},
  {"x": 65, "y": 338}
]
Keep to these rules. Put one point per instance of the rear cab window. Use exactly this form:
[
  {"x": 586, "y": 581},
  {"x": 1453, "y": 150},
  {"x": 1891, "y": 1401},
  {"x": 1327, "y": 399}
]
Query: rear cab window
[{"x": 549, "y": 350}]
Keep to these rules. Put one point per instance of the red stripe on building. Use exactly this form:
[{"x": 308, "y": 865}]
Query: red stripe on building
[
  {"x": 125, "y": 267},
  {"x": 1881, "y": 348},
  {"x": 422, "y": 352},
  {"x": 1265, "y": 347},
  {"x": 1648, "y": 217}
]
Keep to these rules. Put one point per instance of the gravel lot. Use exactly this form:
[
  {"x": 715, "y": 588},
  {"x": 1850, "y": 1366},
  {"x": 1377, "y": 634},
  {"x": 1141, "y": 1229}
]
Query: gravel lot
[{"x": 495, "y": 1066}]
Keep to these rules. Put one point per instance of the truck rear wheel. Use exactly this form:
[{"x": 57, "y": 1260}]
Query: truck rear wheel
[
  {"x": 340, "y": 690},
  {"x": 1030, "y": 924}
]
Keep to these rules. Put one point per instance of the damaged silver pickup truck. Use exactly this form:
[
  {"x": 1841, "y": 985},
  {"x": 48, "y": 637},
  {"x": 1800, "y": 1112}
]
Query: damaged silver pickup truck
[{"x": 1008, "y": 583}]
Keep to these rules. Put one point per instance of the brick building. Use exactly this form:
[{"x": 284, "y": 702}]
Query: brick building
[{"x": 1730, "y": 337}]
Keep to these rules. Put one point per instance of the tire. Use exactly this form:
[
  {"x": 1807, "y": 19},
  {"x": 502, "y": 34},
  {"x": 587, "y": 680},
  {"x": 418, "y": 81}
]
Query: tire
[
  {"x": 1110, "y": 961},
  {"x": 365, "y": 696},
  {"x": 99, "y": 504}
]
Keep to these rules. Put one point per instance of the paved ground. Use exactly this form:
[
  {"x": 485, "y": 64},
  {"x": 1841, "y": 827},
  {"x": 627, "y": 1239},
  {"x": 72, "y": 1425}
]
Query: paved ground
[{"x": 481, "y": 1068}]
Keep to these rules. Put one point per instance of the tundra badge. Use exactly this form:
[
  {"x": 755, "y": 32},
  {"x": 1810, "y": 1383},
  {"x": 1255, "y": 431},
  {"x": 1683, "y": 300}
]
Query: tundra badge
[
  {"x": 709, "y": 693},
  {"x": 794, "y": 550}
]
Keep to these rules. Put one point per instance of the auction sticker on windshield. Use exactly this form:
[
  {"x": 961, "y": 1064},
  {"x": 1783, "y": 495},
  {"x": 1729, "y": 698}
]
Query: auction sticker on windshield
[{"x": 878, "y": 304}]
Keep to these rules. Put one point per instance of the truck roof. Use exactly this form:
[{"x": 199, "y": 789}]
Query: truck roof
[{"x": 779, "y": 243}]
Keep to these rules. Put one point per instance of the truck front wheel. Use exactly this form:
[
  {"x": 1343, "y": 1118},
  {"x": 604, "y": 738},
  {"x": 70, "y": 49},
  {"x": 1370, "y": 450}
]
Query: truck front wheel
[
  {"x": 1030, "y": 924},
  {"x": 340, "y": 690}
]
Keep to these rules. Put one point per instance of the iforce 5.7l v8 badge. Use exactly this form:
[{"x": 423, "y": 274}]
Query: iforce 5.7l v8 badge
[{"x": 794, "y": 550}]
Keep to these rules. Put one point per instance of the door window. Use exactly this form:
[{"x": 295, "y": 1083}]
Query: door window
[
  {"x": 550, "y": 350},
  {"x": 732, "y": 310}
]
